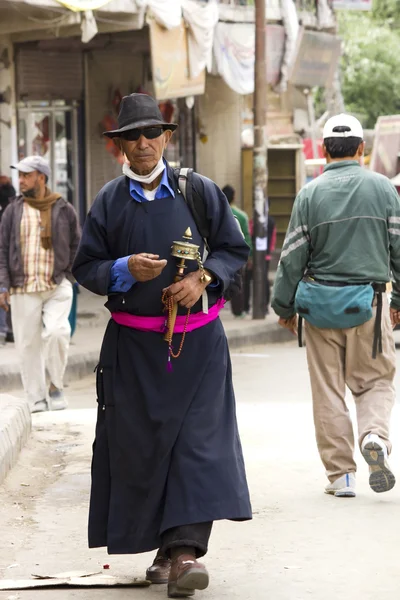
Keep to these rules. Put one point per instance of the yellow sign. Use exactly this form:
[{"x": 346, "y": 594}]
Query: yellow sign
[
  {"x": 82, "y": 5},
  {"x": 170, "y": 62}
]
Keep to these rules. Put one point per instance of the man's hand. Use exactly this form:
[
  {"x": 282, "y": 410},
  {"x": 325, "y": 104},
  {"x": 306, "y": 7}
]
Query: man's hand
[
  {"x": 394, "y": 317},
  {"x": 188, "y": 291},
  {"x": 145, "y": 267},
  {"x": 5, "y": 301},
  {"x": 290, "y": 324}
]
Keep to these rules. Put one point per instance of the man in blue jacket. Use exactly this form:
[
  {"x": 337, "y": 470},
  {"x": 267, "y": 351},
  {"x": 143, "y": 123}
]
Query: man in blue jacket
[{"x": 167, "y": 458}]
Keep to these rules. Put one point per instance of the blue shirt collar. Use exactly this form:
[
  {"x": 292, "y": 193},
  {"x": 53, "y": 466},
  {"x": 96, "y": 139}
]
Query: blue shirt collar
[{"x": 164, "y": 189}]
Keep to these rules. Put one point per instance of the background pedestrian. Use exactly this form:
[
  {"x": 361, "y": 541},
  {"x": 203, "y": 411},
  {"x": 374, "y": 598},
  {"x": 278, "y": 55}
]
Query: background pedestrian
[{"x": 39, "y": 236}]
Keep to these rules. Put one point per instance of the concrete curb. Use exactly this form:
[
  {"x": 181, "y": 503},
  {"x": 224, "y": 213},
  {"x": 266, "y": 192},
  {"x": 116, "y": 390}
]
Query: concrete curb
[
  {"x": 258, "y": 333},
  {"x": 82, "y": 364},
  {"x": 15, "y": 426},
  {"x": 15, "y": 416},
  {"x": 78, "y": 366}
]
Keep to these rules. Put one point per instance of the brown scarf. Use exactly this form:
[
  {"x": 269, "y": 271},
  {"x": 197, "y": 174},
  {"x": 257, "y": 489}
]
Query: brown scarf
[{"x": 44, "y": 205}]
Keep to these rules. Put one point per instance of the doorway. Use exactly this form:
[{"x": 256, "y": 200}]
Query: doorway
[{"x": 51, "y": 130}]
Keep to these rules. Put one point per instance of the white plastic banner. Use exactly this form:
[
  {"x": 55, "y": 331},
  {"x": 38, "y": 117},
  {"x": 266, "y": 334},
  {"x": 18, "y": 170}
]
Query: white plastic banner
[
  {"x": 83, "y": 5},
  {"x": 352, "y": 4},
  {"x": 88, "y": 26},
  {"x": 326, "y": 17},
  {"x": 201, "y": 19},
  {"x": 291, "y": 25},
  {"x": 234, "y": 55},
  {"x": 234, "y": 51},
  {"x": 167, "y": 13}
]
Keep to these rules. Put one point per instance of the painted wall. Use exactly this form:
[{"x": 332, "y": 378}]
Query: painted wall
[{"x": 219, "y": 124}]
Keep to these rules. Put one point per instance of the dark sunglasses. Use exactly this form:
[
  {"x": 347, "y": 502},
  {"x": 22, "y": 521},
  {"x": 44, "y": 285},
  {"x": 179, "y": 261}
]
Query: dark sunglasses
[{"x": 150, "y": 133}]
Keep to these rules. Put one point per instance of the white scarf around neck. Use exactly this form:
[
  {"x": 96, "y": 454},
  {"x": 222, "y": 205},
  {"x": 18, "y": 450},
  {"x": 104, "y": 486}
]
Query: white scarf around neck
[{"x": 158, "y": 169}]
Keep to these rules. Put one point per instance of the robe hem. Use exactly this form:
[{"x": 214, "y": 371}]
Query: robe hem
[{"x": 115, "y": 549}]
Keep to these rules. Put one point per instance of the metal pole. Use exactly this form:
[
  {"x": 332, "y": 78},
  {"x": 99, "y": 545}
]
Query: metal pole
[{"x": 260, "y": 172}]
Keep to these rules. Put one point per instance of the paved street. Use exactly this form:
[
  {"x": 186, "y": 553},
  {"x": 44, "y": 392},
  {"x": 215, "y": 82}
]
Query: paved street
[{"x": 301, "y": 544}]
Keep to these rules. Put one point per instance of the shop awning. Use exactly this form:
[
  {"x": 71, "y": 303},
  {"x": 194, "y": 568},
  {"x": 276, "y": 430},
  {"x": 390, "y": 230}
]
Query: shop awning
[{"x": 30, "y": 17}]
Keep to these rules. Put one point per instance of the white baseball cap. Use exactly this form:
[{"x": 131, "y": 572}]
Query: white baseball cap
[
  {"x": 352, "y": 125},
  {"x": 33, "y": 163}
]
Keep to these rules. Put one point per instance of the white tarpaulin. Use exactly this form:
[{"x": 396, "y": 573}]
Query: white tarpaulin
[
  {"x": 240, "y": 12},
  {"x": 121, "y": 6},
  {"x": 234, "y": 55},
  {"x": 352, "y": 4},
  {"x": 326, "y": 18},
  {"x": 167, "y": 13},
  {"x": 115, "y": 6},
  {"x": 291, "y": 25},
  {"x": 201, "y": 19},
  {"x": 88, "y": 26},
  {"x": 234, "y": 51}
]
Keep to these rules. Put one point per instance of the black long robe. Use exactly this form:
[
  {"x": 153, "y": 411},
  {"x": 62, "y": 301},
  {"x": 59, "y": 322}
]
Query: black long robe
[{"x": 167, "y": 450}]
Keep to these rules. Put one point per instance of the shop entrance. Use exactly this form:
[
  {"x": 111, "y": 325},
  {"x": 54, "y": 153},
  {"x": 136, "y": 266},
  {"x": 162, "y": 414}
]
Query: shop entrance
[{"x": 51, "y": 130}]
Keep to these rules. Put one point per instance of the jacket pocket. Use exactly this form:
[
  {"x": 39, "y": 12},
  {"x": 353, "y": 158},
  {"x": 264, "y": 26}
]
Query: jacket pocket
[{"x": 104, "y": 387}]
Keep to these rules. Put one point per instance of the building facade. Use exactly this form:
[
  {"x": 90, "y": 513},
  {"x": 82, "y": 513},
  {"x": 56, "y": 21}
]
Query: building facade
[{"x": 63, "y": 74}]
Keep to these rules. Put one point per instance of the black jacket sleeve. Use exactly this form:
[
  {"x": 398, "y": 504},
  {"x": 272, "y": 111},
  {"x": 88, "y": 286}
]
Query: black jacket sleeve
[
  {"x": 92, "y": 264},
  {"x": 75, "y": 234},
  {"x": 228, "y": 249}
]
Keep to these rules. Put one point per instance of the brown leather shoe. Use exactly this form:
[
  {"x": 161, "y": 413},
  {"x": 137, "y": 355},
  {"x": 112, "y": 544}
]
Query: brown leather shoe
[
  {"x": 186, "y": 576},
  {"x": 159, "y": 570}
]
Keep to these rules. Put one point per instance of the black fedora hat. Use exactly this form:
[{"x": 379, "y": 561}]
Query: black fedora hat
[{"x": 137, "y": 111}]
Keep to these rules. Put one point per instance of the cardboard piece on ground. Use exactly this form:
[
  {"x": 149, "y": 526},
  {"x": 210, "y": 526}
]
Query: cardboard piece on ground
[
  {"x": 75, "y": 579},
  {"x": 67, "y": 574}
]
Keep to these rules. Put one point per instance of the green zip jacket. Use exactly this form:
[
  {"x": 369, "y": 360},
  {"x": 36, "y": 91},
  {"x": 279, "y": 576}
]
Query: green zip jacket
[{"x": 345, "y": 226}]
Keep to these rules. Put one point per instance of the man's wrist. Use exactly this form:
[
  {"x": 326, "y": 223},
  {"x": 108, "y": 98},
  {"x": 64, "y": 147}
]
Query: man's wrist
[{"x": 206, "y": 277}]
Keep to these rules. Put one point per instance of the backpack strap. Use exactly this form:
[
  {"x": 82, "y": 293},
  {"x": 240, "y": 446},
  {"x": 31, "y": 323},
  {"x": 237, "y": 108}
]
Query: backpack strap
[
  {"x": 197, "y": 207},
  {"x": 194, "y": 200},
  {"x": 183, "y": 175}
]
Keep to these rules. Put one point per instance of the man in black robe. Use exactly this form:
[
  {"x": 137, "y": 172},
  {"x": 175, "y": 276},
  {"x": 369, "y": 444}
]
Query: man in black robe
[{"x": 167, "y": 459}]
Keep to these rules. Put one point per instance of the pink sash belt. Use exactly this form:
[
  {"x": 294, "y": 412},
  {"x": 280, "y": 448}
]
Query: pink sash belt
[{"x": 158, "y": 324}]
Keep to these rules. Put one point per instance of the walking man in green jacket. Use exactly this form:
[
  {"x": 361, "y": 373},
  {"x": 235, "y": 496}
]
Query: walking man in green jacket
[
  {"x": 342, "y": 246},
  {"x": 238, "y": 302}
]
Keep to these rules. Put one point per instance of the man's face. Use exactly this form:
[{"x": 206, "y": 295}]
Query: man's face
[
  {"x": 144, "y": 154},
  {"x": 30, "y": 184}
]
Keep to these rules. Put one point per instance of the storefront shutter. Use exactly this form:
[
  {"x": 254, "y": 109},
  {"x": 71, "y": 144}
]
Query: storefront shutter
[{"x": 48, "y": 75}]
